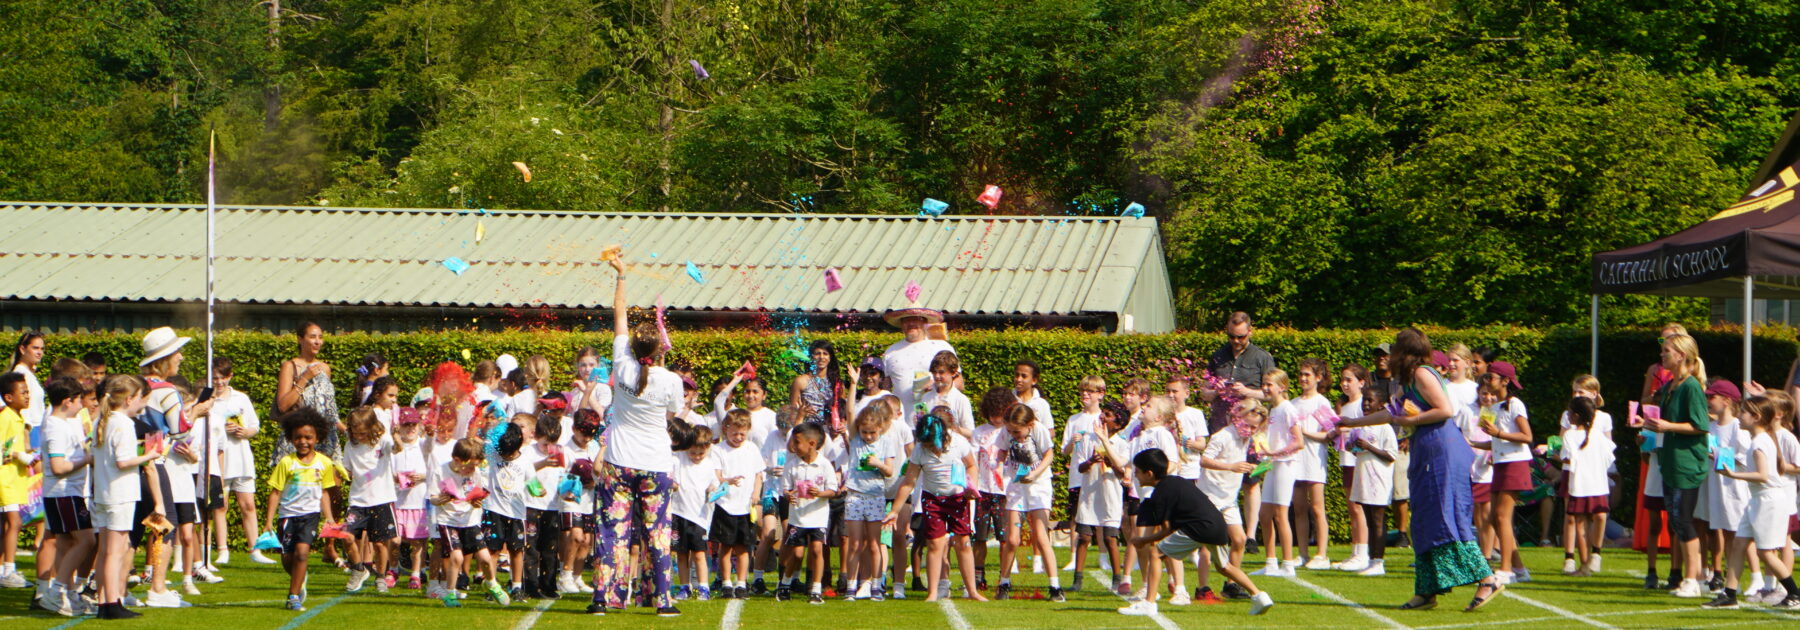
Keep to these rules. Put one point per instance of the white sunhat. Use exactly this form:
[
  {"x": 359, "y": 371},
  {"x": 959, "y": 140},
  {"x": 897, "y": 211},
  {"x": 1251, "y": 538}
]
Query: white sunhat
[{"x": 160, "y": 343}]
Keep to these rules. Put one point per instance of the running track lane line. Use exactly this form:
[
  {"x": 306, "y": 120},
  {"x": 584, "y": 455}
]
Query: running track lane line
[
  {"x": 66, "y": 624},
  {"x": 1162, "y": 621},
  {"x": 734, "y": 611},
  {"x": 1327, "y": 594},
  {"x": 311, "y": 612},
  {"x": 530, "y": 618},
  {"x": 956, "y": 619},
  {"x": 1564, "y": 613}
]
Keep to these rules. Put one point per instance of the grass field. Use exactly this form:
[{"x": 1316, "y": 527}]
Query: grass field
[{"x": 251, "y": 598}]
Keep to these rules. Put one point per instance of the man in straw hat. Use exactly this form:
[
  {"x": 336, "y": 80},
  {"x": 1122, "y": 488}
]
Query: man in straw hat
[{"x": 908, "y": 361}]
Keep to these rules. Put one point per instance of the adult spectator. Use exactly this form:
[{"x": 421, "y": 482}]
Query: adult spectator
[
  {"x": 1242, "y": 364},
  {"x": 305, "y": 381},
  {"x": 1379, "y": 377},
  {"x": 1656, "y": 376},
  {"x": 25, "y": 359},
  {"x": 908, "y": 362}
]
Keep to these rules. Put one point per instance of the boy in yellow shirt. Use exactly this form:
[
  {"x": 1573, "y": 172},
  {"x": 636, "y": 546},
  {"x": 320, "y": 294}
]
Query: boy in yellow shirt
[{"x": 16, "y": 473}]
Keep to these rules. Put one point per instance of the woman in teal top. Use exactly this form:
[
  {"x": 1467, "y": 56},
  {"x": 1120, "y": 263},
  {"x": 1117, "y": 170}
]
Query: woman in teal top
[{"x": 1682, "y": 458}]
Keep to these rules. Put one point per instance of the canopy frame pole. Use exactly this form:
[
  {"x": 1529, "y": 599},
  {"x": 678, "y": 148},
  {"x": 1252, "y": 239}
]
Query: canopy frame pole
[
  {"x": 1749, "y": 312},
  {"x": 1594, "y": 334}
]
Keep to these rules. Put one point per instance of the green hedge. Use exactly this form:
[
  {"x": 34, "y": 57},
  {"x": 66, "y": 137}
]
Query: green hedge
[{"x": 1547, "y": 359}]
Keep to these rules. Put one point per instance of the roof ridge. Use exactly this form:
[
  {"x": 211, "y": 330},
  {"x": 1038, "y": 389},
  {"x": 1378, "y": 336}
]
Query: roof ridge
[{"x": 563, "y": 212}]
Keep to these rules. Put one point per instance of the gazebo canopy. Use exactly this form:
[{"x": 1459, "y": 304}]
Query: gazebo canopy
[{"x": 1759, "y": 237}]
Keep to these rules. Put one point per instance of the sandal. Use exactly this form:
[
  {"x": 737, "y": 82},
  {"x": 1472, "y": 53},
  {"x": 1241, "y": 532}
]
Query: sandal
[
  {"x": 1479, "y": 601},
  {"x": 1417, "y": 604}
]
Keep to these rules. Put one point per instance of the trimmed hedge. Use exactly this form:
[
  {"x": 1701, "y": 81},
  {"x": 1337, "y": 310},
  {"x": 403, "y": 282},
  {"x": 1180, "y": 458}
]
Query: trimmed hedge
[{"x": 1547, "y": 359}]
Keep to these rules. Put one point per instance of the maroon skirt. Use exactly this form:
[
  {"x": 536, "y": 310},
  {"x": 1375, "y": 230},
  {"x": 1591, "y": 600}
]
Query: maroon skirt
[
  {"x": 1588, "y": 505},
  {"x": 1349, "y": 478},
  {"x": 1512, "y": 476},
  {"x": 1484, "y": 492}
]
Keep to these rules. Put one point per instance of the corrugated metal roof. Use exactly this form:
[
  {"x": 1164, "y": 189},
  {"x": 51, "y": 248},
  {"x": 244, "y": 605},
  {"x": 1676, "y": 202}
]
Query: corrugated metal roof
[{"x": 302, "y": 255}]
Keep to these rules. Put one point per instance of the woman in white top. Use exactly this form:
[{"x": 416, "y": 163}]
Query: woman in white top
[
  {"x": 233, "y": 422},
  {"x": 635, "y": 483},
  {"x": 25, "y": 359}
]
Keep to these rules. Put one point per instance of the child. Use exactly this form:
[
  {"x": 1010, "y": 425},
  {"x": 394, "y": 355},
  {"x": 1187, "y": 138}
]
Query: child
[
  {"x": 1586, "y": 386},
  {"x": 458, "y": 494},
  {"x": 936, "y": 455},
  {"x": 742, "y": 470},
  {"x": 234, "y": 417},
  {"x": 1091, "y": 389},
  {"x": 1588, "y": 453},
  {"x": 990, "y": 484},
  {"x": 117, "y": 467},
  {"x": 946, "y": 370},
  {"x": 578, "y": 503},
  {"x": 411, "y": 490},
  {"x": 503, "y": 514},
  {"x": 1177, "y": 519},
  {"x": 1764, "y": 521},
  {"x": 372, "y": 368},
  {"x": 1099, "y": 509},
  {"x": 1351, "y": 381},
  {"x": 297, "y": 493},
  {"x": 1155, "y": 431},
  {"x": 1310, "y": 463},
  {"x": 370, "y": 522},
  {"x": 1724, "y": 499},
  {"x": 1789, "y": 466},
  {"x": 543, "y": 507},
  {"x": 1283, "y": 441},
  {"x": 1225, "y": 461},
  {"x": 66, "y": 496},
  {"x": 1373, "y": 487},
  {"x": 696, "y": 476},
  {"x": 1511, "y": 433},
  {"x": 1030, "y": 452},
  {"x": 15, "y": 471},
  {"x": 870, "y": 461},
  {"x": 808, "y": 479}
]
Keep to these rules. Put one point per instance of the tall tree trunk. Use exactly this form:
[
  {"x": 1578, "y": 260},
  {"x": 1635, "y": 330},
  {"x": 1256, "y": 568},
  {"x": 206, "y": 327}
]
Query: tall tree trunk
[
  {"x": 272, "y": 91},
  {"x": 666, "y": 123}
]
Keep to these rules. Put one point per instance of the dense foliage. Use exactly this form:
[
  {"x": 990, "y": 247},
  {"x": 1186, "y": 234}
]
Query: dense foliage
[{"x": 1456, "y": 161}]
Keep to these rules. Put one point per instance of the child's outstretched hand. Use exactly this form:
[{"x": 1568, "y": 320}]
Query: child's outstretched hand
[
  {"x": 616, "y": 259},
  {"x": 1244, "y": 468}
]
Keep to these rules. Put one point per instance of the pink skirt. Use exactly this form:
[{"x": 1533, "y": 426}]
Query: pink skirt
[
  {"x": 1588, "y": 505},
  {"x": 410, "y": 524}
]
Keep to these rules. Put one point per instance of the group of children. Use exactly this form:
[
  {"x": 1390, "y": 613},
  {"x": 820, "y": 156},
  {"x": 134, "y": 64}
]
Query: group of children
[{"x": 488, "y": 480}]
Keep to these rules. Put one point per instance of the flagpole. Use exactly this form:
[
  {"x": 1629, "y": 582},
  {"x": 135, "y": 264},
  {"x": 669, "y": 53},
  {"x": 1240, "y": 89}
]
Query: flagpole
[{"x": 204, "y": 479}]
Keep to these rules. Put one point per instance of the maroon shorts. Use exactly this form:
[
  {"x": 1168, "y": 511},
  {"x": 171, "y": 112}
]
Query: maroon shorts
[
  {"x": 1484, "y": 492},
  {"x": 1793, "y": 523},
  {"x": 946, "y": 515},
  {"x": 1512, "y": 476},
  {"x": 1588, "y": 505},
  {"x": 1349, "y": 478}
]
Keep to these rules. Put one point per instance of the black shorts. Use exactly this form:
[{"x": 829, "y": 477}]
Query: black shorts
[
  {"x": 988, "y": 508},
  {"x": 917, "y": 524},
  {"x": 834, "y": 531},
  {"x": 215, "y": 492},
  {"x": 67, "y": 515},
  {"x": 293, "y": 531},
  {"x": 540, "y": 523},
  {"x": 1131, "y": 509},
  {"x": 185, "y": 514},
  {"x": 376, "y": 522},
  {"x": 731, "y": 530},
  {"x": 1072, "y": 499},
  {"x": 689, "y": 536},
  {"x": 803, "y": 536},
  {"x": 145, "y": 507},
  {"x": 464, "y": 539},
  {"x": 502, "y": 532},
  {"x": 576, "y": 520}
]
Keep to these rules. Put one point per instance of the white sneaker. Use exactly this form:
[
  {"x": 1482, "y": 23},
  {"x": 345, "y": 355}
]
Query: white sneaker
[
  {"x": 1375, "y": 568},
  {"x": 1594, "y": 563},
  {"x": 1070, "y": 566},
  {"x": 1354, "y": 564},
  {"x": 1289, "y": 566},
  {"x": 257, "y": 557},
  {"x": 131, "y": 602},
  {"x": 222, "y": 557},
  {"x": 1271, "y": 568},
  {"x": 1318, "y": 562},
  {"x": 56, "y": 599},
  {"x": 1105, "y": 564},
  {"x": 1569, "y": 566},
  {"x": 165, "y": 599},
  {"x": 13, "y": 580},
  {"x": 1139, "y": 609},
  {"x": 1180, "y": 599},
  {"x": 562, "y": 583},
  {"x": 1503, "y": 577},
  {"x": 357, "y": 578},
  {"x": 1261, "y": 603},
  {"x": 188, "y": 588},
  {"x": 1689, "y": 589},
  {"x": 943, "y": 589},
  {"x": 206, "y": 575},
  {"x": 862, "y": 591},
  {"x": 434, "y": 590}
]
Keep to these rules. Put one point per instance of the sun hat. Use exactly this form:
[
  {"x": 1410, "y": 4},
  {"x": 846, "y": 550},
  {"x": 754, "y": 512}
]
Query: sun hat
[
  {"x": 931, "y": 315},
  {"x": 160, "y": 343},
  {"x": 422, "y": 396}
]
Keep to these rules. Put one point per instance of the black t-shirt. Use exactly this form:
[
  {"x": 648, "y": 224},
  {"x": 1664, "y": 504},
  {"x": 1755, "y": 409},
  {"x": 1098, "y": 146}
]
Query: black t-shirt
[{"x": 1180, "y": 503}]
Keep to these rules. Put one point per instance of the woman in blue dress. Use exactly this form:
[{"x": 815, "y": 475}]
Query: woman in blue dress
[{"x": 1445, "y": 551}]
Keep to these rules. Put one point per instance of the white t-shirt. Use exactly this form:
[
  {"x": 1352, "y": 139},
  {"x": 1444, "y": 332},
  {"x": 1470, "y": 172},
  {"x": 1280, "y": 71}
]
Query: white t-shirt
[
  {"x": 1464, "y": 395},
  {"x": 1374, "y": 481},
  {"x": 1021, "y": 457},
  {"x": 371, "y": 472},
  {"x": 1078, "y": 424},
  {"x": 1603, "y": 422},
  {"x": 1193, "y": 425},
  {"x": 1102, "y": 502},
  {"x": 936, "y": 469},
  {"x": 36, "y": 408},
  {"x": 438, "y": 453},
  {"x": 456, "y": 513},
  {"x": 236, "y": 460},
  {"x": 746, "y": 462},
  {"x": 1776, "y": 489},
  {"x": 118, "y": 443},
  {"x": 1349, "y": 411},
  {"x": 548, "y": 478},
  {"x": 526, "y": 400},
  {"x": 1507, "y": 416},
  {"x": 506, "y": 486},
  {"x": 1311, "y": 458},
  {"x": 584, "y": 496},
  {"x": 638, "y": 437},
  {"x": 958, "y": 404},
  {"x": 1039, "y": 407},
  {"x": 763, "y": 426},
  {"x": 809, "y": 512},
  {"x": 989, "y": 442},
  {"x": 66, "y": 438},
  {"x": 905, "y": 362},
  {"x": 1790, "y": 453},
  {"x": 1587, "y": 466},
  {"x": 1152, "y": 438},
  {"x": 1226, "y": 447},
  {"x": 693, "y": 481},
  {"x": 385, "y": 417},
  {"x": 1280, "y": 428},
  {"x": 412, "y": 460},
  {"x": 872, "y": 482}
]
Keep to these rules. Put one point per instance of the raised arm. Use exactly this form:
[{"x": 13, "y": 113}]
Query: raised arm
[{"x": 620, "y": 326}]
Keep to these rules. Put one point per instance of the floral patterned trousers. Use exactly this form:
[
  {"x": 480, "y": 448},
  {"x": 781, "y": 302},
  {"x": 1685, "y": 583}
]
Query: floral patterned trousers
[{"x": 633, "y": 506}]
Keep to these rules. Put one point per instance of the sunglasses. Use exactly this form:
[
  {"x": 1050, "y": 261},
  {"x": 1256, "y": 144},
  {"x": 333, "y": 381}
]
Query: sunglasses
[{"x": 1238, "y": 337}]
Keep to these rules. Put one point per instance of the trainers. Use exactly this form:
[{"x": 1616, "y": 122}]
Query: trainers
[
  {"x": 188, "y": 588},
  {"x": 1205, "y": 595},
  {"x": 357, "y": 578},
  {"x": 1376, "y": 568},
  {"x": 563, "y": 580},
  {"x": 1725, "y": 601},
  {"x": 702, "y": 593},
  {"x": 1503, "y": 577},
  {"x": 879, "y": 593},
  {"x": 293, "y": 604},
  {"x": 1272, "y": 567},
  {"x": 381, "y": 585},
  {"x": 1689, "y": 589},
  {"x": 165, "y": 599},
  {"x": 14, "y": 580},
  {"x": 681, "y": 592},
  {"x": 1056, "y": 594},
  {"x": 1251, "y": 547},
  {"x": 57, "y": 601},
  {"x": 899, "y": 592},
  {"x": 1789, "y": 603},
  {"x": 740, "y": 592},
  {"x": 1522, "y": 576},
  {"x": 1318, "y": 563},
  {"x": 1650, "y": 582},
  {"x": 450, "y": 600},
  {"x": 944, "y": 588},
  {"x": 498, "y": 594},
  {"x": 1354, "y": 564},
  {"x": 597, "y": 610},
  {"x": 1261, "y": 603},
  {"x": 1180, "y": 599},
  {"x": 1139, "y": 609},
  {"x": 1075, "y": 586},
  {"x": 207, "y": 575},
  {"x": 1716, "y": 583},
  {"x": 815, "y": 598},
  {"x": 1004, "y": 592},
  {"x": 668, "y": 611},
  {"x": 223, "y": 557},
  {"x": 1233, "y": 591},
  {"x": 1569, "y": 566},
  {"x": 782, "y": 593},
  {"x": 758, "y": 587},
  {"x": 434, "y": 590},
  {"x": 1593, "y": 564}
]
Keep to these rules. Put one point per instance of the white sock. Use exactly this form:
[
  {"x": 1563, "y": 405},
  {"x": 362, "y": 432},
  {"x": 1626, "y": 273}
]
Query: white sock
[
  {"x": 1055, "y": 583},
  {"x": 1006, "y": 581},
  {"x": 1359, "y": 551},
  {"x": 759, "y": 574},
  {"x": 1756, "y": 578},
  {"x": 815, "y": 587}
]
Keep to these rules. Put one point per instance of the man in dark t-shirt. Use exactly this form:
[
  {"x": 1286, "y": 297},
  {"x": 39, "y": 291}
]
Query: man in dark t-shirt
[
  {"x": 1176, "y": 519},
  {"x": 1240, "y": 362}
]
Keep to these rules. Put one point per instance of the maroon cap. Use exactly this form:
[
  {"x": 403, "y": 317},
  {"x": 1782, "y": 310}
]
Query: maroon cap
[
  {"x": 1507, "y": 371},
  {"x": 1724, "y": 388},
  {"x": 1440, "y": 360}
]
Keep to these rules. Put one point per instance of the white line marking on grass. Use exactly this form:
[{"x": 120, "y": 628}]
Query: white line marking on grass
[
  {"x": 1326, "y": 593},
  {"x": 1478, "y": 624},
  {"x": 956, "y": 619},
  {"x": 1564, "y": 613},
  {"x": 311, "y": 612},
  {"x": 70, "y": 623},
  {"x": 1162, "y": 621},
  {"x": 253, "y": 602},
  {"x": 734, "y": 610},
  {"x": 530, "y": 618}
]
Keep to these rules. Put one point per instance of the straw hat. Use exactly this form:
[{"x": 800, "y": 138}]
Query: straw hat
[
  {"x": 931, "y": 315},
  {"x": 160, "y": 343}
]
